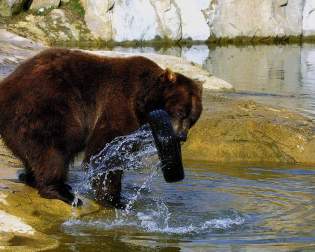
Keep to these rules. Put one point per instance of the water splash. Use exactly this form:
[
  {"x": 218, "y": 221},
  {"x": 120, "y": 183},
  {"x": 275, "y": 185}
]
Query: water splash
[
  {"x": 157, "y": 221},
  {"x": 131, "y": 152}
]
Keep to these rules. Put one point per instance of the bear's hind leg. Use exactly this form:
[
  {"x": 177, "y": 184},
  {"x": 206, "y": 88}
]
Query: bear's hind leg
[
  {"x": 50, "y": 171},
  {"x": 27, "y": 177}
]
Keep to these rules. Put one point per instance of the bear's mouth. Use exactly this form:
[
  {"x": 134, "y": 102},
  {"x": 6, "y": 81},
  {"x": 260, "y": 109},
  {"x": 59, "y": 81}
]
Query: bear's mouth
[{"x": 167, "y": 144}]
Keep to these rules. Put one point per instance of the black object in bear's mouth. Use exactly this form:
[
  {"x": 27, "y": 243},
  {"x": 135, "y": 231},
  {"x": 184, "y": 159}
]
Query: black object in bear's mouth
[{"x": 168, "y": 145}]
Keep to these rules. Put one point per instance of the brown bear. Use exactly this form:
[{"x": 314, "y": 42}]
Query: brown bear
[{"x": 62, "y": 101}]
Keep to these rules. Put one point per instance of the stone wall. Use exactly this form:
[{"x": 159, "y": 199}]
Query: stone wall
[{"x": 126, "y": 20}]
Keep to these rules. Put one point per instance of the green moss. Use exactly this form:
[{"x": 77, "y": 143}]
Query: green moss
[
  {"x": 309, "y": 39},
  {"x": 242, "y": 40}
]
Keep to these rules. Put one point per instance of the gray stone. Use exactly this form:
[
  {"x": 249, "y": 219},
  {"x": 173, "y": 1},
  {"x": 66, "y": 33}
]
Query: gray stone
[{"x": 46, "y": 4}]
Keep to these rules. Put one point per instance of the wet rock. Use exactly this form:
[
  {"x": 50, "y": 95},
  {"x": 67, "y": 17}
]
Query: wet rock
[
  {"x": 25, "y": 218},
  {"x": 232, "y": 130},
  {"x": 11, "y": 7},
  {"x": 45, "y": 4}
]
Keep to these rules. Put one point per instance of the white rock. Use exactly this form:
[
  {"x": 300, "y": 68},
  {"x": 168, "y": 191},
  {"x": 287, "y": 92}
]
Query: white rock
[
  {"x": 260, "y": 18},
  {"x": 168, "y": 19},
  {"x": 46, "y": 4},
  {"x": 194, "y": 23},
  {"x": 180, "y": 65},
  {"x": 134, "y": 20},
  {"x": 98, "y": 17},
  {"x": 12, "y": 224},
  {"x": 309, "y": 18}
]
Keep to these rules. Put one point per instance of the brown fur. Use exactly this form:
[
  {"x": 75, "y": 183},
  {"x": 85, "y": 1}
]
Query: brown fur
[{"x": 61, "y": 102}]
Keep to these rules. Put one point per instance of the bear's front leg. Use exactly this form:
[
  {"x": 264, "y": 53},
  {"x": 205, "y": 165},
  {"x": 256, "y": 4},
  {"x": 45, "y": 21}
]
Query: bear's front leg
[{"x": 108, "y": 186}]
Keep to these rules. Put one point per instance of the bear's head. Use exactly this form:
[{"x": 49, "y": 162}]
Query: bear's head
[{"x": 182, "y": 100}]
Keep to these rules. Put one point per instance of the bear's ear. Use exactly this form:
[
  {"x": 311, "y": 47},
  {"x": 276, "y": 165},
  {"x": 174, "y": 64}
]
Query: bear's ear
[{"x": 169, "y": 75}]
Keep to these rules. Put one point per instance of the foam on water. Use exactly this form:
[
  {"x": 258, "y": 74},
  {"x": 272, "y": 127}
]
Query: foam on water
[{"x": 156, "y": 221}]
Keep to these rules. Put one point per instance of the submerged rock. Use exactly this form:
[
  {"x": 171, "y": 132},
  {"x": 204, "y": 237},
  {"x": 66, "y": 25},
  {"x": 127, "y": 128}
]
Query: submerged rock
[{"x": 233, "y": 130}]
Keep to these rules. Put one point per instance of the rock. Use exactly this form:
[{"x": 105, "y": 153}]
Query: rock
[
  {"x": 146, "y": 20},
  {"x": 309, "y": 18},
  {"x": 180, "y": 65},
  {"x": 256, "y": 18},
  {"x": 193, "y": 21},
  {"x": 56, "y": 26},
  {"x": 237, "y": 131},
  {"x": 168, "y": 18},
  {"x": 46, "y": 4},
  {"x": 180, "y": 19},
  {"x": 11, "y": 7},
  {"x": 25, "y": 218}
]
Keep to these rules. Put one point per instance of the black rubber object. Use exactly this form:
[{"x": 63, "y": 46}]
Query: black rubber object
[{"x": 168, "y": 146}]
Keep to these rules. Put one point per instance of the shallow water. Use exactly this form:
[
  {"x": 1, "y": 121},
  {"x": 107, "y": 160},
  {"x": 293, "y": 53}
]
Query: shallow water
[{"x": 216, "y": 208}]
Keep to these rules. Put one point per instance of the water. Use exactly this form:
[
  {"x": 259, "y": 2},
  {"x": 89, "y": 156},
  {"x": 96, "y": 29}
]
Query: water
[{"x": 216, "y": 208}]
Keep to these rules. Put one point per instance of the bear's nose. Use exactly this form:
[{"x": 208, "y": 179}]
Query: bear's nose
[{"x": 182, "y": 137}]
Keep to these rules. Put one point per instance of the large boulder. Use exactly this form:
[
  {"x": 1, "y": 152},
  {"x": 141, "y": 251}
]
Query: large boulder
[
  {"x": 180, "y": 19},
  {"x": 309, "y": 18},
  {"x": 256, "y": 18},
  {"x": 239, "y": 131},
  {"x": 146, "y": 20}
]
